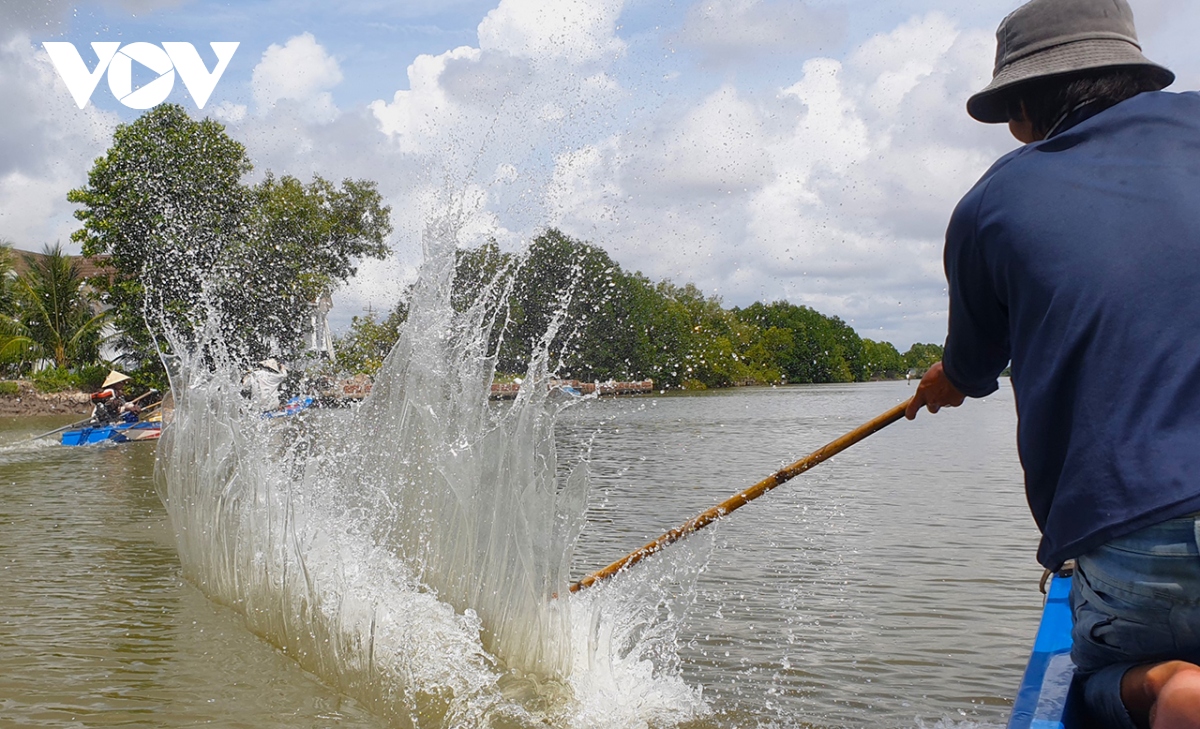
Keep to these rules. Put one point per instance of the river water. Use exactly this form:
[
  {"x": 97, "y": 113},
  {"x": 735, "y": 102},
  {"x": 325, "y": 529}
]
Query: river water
[{"x": 893, "y": 586}]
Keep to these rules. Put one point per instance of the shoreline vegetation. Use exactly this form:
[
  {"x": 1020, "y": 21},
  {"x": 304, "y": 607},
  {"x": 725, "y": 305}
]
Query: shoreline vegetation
[
  {"x": 615, "y": 326},
  {"x": 259, "y": 259}
]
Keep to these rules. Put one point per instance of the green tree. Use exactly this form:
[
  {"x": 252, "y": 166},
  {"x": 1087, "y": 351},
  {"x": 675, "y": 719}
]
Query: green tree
[
  {"x": 188, "y": 239},
  {"x": 561, "y": 278},
  {"x": 881, "y": 360},
  {"x": 920, "y": 357},
  {"x": 704, "y": 338},
  {"x": 7, "y": 277},
  {"x": 363, "y": 348},
  {"x": 301, "y": 242},
  {"x": 15, "y": 351},
  {"x": 163, "y": 202},
  {"x": 54, "y": 316},
  {"x": 765, "y": 352},
  {"x": 620, "y": 325},
  {"x": 824, "y": 348}
]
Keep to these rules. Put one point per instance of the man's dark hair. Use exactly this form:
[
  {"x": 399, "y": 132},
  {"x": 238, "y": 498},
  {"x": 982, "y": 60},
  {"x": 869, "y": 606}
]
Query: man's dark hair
[{"x": 1048, "y": 101}]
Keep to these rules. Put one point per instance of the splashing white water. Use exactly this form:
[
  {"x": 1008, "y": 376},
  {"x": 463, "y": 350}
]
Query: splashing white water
[{"x": 411, "y": 553}]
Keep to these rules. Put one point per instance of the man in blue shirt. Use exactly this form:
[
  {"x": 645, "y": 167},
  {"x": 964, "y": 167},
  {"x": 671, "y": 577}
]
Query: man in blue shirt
[{"x": 1076, "y": 258}]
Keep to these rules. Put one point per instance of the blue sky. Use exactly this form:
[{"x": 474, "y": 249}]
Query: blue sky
[{"x": 762, "y": 149}]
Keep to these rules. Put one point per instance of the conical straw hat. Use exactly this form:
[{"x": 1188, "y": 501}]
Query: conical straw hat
[{"x": 113, "y": 378}]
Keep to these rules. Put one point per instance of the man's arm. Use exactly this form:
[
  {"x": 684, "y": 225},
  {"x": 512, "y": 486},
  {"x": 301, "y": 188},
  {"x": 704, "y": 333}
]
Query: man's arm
[{"x": 935, "y": 392}]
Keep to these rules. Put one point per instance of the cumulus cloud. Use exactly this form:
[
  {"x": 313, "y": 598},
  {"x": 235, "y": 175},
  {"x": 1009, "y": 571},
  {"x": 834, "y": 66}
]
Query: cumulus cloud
[
  {"x": 229, "y": 112},
  {"x": 831, "y": 189},
  {"x": 537, "y": 83},
  {"x": 552, "y": 31},
  {"x": 733, "y": 30},
  {"x": 834, "y": 193},
  {"x": 47, "y": 145},
  {"x": 416, "y": 115},
  {"x": 716, "y": 146},
  {"x": 300, "y": 71}
]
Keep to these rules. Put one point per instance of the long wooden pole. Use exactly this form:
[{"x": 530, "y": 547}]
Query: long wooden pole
[
  {"x": 739, "y": 500},
  {"x": 65, "y": 427}
]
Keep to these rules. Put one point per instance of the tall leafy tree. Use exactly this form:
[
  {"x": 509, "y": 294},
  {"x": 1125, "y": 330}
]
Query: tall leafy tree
[
  {"x": 363, "y": 349},
  {"x": 881, "y": 360},
  {"x": 618, "y": 325},
  {"x": 163, "y": 202},
  {"x": 301, "y": 242},
  {"x": 920, "y": 357},
  {"x": 187, "y": 238},
  {"x": 564, "y": 278},
  {"x": 824, "y": 348},
  {"x": 15, "y": 349}
]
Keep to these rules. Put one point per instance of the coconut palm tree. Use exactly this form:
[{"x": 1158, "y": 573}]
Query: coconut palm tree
[
  {"x": 14, "y": 345},
  {"x": 54, "y": 317}
]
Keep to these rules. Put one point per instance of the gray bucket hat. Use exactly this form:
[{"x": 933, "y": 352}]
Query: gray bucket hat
[{"x": 1046, "y": 38}]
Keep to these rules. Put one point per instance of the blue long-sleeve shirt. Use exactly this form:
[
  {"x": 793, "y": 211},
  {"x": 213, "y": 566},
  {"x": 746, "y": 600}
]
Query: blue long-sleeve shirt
[{"x": 1078, "y": 259}]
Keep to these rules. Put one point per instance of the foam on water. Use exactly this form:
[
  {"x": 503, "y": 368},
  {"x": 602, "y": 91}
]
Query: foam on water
[{"x": 410, "y": 552}]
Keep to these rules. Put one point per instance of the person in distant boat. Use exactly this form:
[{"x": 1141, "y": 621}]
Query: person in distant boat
[
  {"x": 263, "y": 384},
  {"x": 109, "y": 404},
  {"x": 1077, "y": 258}
]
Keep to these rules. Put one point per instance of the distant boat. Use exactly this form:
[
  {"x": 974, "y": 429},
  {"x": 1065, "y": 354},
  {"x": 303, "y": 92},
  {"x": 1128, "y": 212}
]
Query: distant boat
[
  {"x": 291, "y": 407},
  {"x": 1049, "y": 698},
  {"x": 567, "y": 390}
]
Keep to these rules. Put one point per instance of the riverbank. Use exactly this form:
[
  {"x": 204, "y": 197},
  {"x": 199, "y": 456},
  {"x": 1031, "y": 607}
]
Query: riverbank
[{"x": 28, "y": 401}]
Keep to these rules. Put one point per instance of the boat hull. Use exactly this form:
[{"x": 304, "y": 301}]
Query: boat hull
[
  {"x": 1049, "y": 697},
  {"x": 112, "y": 433},
  {"x": 292, "y": 407}
]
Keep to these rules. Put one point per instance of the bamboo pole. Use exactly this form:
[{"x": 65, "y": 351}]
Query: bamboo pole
[
  {"x": 77, "y": 424},
  {"x": 742, "y": 498}
]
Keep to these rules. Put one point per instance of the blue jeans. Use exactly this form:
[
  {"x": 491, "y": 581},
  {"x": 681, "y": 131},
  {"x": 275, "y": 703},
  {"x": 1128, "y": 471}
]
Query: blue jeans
[{"x": 1136, "y": 600}]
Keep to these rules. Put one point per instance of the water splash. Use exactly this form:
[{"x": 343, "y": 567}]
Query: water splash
[{"x": 410, "y": 552}]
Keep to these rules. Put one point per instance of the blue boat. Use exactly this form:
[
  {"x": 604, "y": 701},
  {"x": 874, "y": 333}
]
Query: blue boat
[
  {"x": 1049, "y": 698},
  {"x": 291, "y": 407},
  {"x": 112, "y": 433}
]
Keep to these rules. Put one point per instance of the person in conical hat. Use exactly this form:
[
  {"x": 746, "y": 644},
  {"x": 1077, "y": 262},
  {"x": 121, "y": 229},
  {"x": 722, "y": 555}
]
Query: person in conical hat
[
  {"x": 273, "y": 365},
  {"x": 1076, "y": 260},
  {"x": 109, "y": 404},
  {"x": 115, "y": 378},
  {"x": 263, "y": 384}
]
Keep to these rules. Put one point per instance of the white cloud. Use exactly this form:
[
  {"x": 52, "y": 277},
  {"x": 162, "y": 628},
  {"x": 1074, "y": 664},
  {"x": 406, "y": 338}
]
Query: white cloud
[
  {"x": 831, "y": 189},
  {"x": 731, "y": 30},
  {"x": 716, "y": 146},
  {"x": 33, "y": 210},
  {"x": 47, "y": 145},
  {"x": 586, "y": 185},
  {"x": 505, "y": 103},
  {"x": 229, "y": 112},
  {"x": 834, "y": 194},
  {"x": 894, "y": 63},
  {"x": 300, "y": 71},
  {"x": 550, "y": 31},
  {"x": 416, "y": 117}
]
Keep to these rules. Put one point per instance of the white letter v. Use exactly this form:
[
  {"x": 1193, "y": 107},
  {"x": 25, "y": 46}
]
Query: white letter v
[
  {"x": 69, "y": 64},
  {"x": 199, "y": 82}
]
